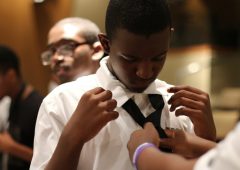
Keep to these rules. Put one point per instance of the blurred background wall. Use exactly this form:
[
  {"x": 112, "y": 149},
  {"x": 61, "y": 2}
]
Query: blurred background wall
[{"x": 24, "y": 26}]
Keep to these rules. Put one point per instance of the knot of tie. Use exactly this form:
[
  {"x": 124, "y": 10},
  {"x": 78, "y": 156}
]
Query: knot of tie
[{"x": 157, "y": 103}]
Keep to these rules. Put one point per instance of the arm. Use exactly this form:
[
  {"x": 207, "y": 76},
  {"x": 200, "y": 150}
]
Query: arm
[
  {"x": 195, "y": 104},
  {"x": 151, "y": 158},
  {"x": 94, "y": 111},
  {"x": 10, "y": 146}
]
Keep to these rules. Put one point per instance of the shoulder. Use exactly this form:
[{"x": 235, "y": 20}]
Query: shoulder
[
  {"x": 31, "y": 98},
  {"x": 71, "y": 91},
  {"x": 80, "y": 85}
]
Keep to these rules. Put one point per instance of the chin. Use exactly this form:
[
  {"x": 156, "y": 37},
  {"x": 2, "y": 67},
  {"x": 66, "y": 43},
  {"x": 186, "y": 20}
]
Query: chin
[
  {"x": 137, "y": 89},
  {"x": 64, "y": 80}
]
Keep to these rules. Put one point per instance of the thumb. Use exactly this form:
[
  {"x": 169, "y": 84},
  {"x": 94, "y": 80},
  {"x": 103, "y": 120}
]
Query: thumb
[{"x": 149, "y": 126}]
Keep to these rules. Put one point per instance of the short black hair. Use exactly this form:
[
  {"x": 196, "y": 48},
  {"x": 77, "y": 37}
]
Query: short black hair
[
  {"x": 8, "y": 60},
  {"x": 142, "y": 17}
]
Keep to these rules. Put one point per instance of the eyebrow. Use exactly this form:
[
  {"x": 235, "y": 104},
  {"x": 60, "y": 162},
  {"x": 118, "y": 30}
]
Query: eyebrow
[
  {"x": 128, "y": 55},
  {"x": 62, "y": 41}
]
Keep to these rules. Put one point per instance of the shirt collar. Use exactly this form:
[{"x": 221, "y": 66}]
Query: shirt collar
[{"x": 120, "y": 93}]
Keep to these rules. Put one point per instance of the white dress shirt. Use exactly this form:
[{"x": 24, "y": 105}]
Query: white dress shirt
[
  {"x": 108, "y": 149},
  {"x": 226, "y": 156},
  {"x": 4, "y": 112}
]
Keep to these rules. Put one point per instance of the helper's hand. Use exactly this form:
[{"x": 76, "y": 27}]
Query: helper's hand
[
  {"x": 148, "y": 134},
  {"x": 196, "y": 105},
  {"x": 186, "y": 144},
  {"x": 95, "y": 109}
]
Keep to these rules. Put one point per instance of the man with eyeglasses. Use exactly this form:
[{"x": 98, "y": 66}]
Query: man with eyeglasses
[{"x": 73, "y": 49}]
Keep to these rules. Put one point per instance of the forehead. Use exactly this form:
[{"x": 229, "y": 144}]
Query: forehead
[
  {"x": 135, "y": 44},
  {"x": 67, "y": 31}
]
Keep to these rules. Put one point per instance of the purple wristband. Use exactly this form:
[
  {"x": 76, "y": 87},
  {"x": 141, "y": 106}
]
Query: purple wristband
[{"x": 139, "y": 150}]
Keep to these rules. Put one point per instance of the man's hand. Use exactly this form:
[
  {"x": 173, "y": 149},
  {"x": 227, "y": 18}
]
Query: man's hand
[
  {"x": 195, "y": 104},
  {"x": 6, "y": 141},
  {"x": 95, "y": 109}
]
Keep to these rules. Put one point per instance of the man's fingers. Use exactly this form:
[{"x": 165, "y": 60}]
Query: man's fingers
[
  {"x": 191, "y": 113},
  {"x": 90, "y": 94},
  {"x": 186, "y": 102},
  {"x": 96, "y": 90},
  {"x": 108, "y": 105},
  {"x": 109, "y": 116},
  {"x": 104, "y": 95},
  {"x": 175, "y": 89}
]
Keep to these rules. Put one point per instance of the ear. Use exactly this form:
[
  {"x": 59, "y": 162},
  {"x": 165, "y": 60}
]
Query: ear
[
  {"x": 98, "y": 51},
  {"x": 105, "y": 42},
  {"x": 97, "y": 47}
]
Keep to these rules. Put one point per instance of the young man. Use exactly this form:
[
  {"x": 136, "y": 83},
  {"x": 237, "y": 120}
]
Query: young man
[
  {"x": 16, "y": 140},
  {"x": 73, "y": 49},
  {"x": 146, "y": 156},
  {"x": 85, "y": 124}
]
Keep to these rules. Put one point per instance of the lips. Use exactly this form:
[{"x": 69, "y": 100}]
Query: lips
[{"x": 61, "y": 70}]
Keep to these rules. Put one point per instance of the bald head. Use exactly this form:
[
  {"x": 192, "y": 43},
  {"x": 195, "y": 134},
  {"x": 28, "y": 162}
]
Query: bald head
[{"x": 74, "y": 28}]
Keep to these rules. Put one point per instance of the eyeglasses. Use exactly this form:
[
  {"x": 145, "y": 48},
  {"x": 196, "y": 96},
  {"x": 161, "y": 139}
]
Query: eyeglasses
[{"x": 63, "y": 48}]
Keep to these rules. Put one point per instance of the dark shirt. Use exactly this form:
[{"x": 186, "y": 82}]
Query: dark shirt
[{"x": 22, "y": 119}]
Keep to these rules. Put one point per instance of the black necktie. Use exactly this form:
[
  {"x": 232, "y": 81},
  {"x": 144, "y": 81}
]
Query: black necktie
[{"x": 157, "y": 103}]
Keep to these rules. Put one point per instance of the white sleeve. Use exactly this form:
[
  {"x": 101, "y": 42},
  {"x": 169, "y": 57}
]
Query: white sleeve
[
  {"x": 226, "y": 156},
  {"x": 48, "y": 129}
]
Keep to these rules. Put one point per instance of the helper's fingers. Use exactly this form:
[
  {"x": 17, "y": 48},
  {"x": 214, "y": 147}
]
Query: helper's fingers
[
  {"x": 170, "y": 133},
  {"x": 149, "y": 126}
]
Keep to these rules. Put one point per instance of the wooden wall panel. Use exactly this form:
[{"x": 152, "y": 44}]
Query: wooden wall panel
[{"x": 24, "y": 26}]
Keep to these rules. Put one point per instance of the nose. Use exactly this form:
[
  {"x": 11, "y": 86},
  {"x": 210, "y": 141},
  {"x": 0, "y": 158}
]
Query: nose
[
  {"x": 57, "y": 59},
  {"x": 145, "y": 70}
]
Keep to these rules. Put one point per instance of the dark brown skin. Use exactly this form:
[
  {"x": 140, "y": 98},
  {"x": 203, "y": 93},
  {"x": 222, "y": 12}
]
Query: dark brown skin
[
  {"x": 185, "y": 144},
  {"x": 151, "y": 158},
  {"x": 196, "y": 105},
  {"x": 85, "y": 123}
]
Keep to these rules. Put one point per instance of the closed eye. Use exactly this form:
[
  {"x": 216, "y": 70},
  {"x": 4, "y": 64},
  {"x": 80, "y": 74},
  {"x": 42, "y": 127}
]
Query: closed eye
[
  {"x": 159, "y": 58},
  {"x": 128, "y": 58}
]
